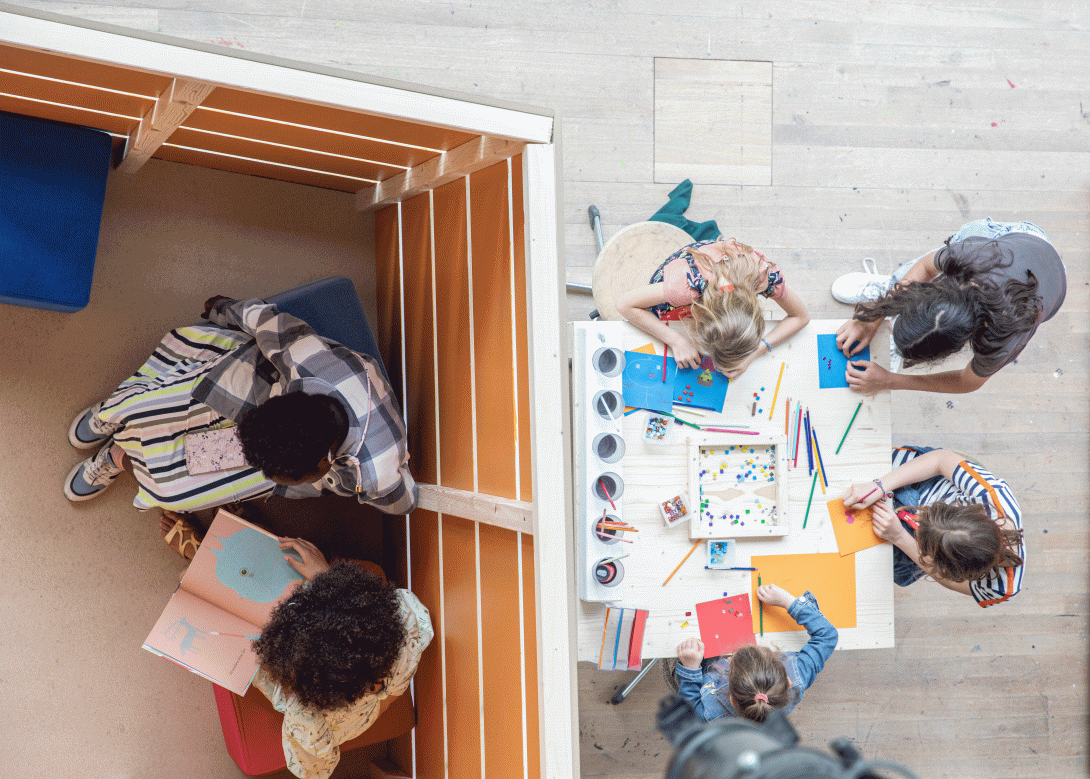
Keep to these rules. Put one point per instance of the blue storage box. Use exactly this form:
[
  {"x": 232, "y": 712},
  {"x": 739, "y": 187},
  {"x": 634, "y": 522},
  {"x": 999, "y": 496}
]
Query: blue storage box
[{"x": 52, "y": 187}]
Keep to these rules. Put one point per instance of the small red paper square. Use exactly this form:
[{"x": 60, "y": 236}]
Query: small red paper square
[{"x": 725, "y": 624}]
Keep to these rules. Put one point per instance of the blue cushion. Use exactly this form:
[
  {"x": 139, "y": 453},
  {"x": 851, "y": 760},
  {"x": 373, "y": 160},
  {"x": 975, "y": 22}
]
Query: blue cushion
[{"x": 52, "y": 186}]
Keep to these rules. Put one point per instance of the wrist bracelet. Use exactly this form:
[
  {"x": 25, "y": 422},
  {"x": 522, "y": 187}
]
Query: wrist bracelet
[
  {"x": 880, "y": 485},
  {"x": 767, "y": 344}
]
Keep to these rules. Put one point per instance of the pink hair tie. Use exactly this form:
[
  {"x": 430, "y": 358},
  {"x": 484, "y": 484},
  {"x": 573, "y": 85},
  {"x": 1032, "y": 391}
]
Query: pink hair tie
[
  {"x": 727, "y": 288},
  {"x": 761, "y": 697}
]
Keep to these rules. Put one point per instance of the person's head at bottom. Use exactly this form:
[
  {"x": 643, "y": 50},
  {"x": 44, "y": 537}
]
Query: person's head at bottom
[
  {"x": 960, "y": 542},
  {"x": 290, "y": 437},
  {"x": 757, "y": 682},
  {"x": 335, "y": 639}
]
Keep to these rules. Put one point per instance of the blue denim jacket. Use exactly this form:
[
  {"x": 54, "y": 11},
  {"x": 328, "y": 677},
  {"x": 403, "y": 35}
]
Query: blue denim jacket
[{"x": 700, "y": 689}]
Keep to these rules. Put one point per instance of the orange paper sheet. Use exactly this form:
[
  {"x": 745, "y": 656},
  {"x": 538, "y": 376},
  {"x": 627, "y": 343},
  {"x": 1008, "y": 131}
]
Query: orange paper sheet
[
  {"x": 830, "y": 577},
  {"x": 854, "y": 528}
]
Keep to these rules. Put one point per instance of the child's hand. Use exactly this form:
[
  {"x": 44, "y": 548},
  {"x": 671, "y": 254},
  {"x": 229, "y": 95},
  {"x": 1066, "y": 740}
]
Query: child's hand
[
  {"x": 775, "y": 595},
  {"x": 867, "y": 377},
  {"x": 859, "y": 496},
  {"x": 690, "y": 652},
  {"x": 734, "y": 373},
  {"x": 886, "y": 523},
  {"x": 684, "y": 353},
  {"x": 853, "y": 336}
]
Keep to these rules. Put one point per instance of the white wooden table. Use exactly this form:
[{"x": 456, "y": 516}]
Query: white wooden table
[{"x": 651, "y": 471}]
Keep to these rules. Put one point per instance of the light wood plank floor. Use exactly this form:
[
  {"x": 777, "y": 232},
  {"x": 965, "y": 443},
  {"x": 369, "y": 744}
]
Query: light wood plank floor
[{"x": 893, "y": 123}]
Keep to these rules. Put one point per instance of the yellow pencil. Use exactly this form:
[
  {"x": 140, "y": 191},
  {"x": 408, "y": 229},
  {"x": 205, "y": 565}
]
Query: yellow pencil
[
  {"x": 776, "y": 394},
  {"x": 817, "y": 455},
  {"x": 683, "y": 559}
]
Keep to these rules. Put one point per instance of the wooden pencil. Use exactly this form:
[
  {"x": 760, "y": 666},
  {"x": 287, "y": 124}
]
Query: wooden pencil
[
  {"x": 808, "y": 502},
  {"x": 665, "y": 349},
  {"x": 820, "y": 460},
  {"x": 809, "y": 443},
  {"x": 605, "y": 489},
  {"x": 761, "y": 607},
  {"x": 848, "y": 428},
  {"x": 683, "y": 559},
  {"x": 776, "y": 394},
  {"x": 786, "y": 416}
]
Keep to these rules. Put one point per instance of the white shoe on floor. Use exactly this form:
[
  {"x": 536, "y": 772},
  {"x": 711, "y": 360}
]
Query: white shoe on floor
[
  {"x": 852, "y": 288},
  {"x": 88, "y": 479}
]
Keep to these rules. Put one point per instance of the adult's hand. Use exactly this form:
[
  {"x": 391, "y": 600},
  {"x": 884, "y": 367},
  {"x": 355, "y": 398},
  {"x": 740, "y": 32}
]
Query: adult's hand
[
  {"x": 854, "y": 336},
  {"x": 211, "y": 302},
  {"x": 311, "y": 563},
  {"x": 867, "y": 377}
]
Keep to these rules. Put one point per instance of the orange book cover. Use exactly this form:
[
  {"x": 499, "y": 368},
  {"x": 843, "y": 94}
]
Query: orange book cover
[{"x": 224, "y": 599}]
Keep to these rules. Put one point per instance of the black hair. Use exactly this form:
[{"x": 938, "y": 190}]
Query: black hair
[
  {"x": 288, "y": 435},
  {"x": 937, "y": 318},
  {"x": 335, "y": 638}
]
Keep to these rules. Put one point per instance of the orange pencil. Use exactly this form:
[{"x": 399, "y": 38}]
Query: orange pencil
[
  {"x": 683, "y": 559},
  {"x": 776, "y": 394}
]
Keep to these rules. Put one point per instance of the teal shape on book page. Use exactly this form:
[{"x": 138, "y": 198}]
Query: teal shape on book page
[{"x": 252, "y": 564}]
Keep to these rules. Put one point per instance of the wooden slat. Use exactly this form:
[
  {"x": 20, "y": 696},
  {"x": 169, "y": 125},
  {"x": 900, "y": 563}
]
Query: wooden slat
[
  {"x": 388, "y": 286},
  {"x": 468, "y": 158},
  {"x": 74, "y": 95},
  {"x": 510, "y": 514},
  {"x": 334, "y": 118},
  {"x": 529, "y": 600},
  {"x": 492, "y": 331},
  {"x": 500, "y": 652},
  {"x": 254, "y": 168},
  {"x": 420, "y": 339},
  {"x": 160, "y": 121},
  {"x": 452, "y": 328},
  {"x": 522, "y": 344},
  {"x": 431, "y": 698},
  {"x": 55, "y": 65},
  {"x": 396, "y": 157},
  {"x": 83, "y": 118},
  {"x": 460, "y": 638}
]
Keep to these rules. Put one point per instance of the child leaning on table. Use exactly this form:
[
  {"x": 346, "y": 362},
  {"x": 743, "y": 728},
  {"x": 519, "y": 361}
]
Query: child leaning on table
[
  {"x": 715, "y": 284},
  {"x": 755, "y": 679}
]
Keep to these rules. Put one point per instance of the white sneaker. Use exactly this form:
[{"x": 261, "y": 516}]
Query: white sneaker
[
  {"x": 852, "y": 288},
  {"x": 90, "y": 478},
  {"x": 87, "y": 432}
]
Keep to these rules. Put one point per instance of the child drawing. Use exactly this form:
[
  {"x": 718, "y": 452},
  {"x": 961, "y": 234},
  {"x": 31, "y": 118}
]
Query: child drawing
[
  {"x": 755, "y": 679},
  {"x": 950, "y": 519},
  {"x": 715, "y": 284}
]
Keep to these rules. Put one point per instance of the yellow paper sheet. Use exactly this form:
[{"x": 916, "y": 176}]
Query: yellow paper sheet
[
  {"x": 830, "y": 577},
  {"x": 855, "y": 535}
]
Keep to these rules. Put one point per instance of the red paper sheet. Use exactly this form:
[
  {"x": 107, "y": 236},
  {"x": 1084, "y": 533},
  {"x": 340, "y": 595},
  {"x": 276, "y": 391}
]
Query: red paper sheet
[{"x": 725, "y": 624}]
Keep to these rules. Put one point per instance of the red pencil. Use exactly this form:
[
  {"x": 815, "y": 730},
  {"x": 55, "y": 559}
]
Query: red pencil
[
  {"x": 665, "y": 349},
  {"x": 605, "y": 489}
]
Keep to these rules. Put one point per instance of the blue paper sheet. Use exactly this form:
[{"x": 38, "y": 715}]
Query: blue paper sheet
[
  {"x": 642, "y": 383},
  {"x": 702, "y": 387},
  {"x": 832, "y": 363}
]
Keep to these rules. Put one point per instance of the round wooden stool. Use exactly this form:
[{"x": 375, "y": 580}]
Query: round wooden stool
[{"x": 629, "y": 258}]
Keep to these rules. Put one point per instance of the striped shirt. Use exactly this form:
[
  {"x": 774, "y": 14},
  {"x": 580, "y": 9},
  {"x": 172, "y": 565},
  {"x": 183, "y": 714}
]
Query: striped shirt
[{"x": 972, "y": 483}]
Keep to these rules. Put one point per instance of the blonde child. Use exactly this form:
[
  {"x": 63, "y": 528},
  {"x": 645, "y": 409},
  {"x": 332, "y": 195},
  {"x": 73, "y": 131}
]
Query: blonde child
[
  {"x": 755, "y": 679},
  {"x": 715, "y": 284}
]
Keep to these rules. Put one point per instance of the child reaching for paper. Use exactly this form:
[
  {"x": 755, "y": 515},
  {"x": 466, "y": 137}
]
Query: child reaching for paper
[
  {"x": 755, "y": 679},
  {"x": 715, "y": 285}
]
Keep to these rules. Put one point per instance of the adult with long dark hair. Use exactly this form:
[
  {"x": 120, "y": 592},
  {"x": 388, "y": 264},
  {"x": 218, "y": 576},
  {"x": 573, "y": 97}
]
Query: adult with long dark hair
[{"x": 989, "y": 287}]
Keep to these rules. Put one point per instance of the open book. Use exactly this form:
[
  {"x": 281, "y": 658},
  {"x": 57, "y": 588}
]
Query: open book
[{"x": 224, "y": 599}]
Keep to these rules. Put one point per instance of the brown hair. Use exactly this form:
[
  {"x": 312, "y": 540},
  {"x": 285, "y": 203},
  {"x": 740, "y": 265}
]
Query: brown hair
[
  {"x": 963, "y": 542},
  {"x": 727, "y": 321},
  {"x": 757, "y": 670}
]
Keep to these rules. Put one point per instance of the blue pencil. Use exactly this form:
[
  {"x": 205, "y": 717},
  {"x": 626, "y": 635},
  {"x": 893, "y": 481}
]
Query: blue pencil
[{"x": 809, "y": 443}]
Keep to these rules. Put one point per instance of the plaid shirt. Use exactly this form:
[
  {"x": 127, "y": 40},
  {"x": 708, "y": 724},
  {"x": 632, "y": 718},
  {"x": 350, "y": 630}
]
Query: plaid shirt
[{"x": 286, "y": 355}]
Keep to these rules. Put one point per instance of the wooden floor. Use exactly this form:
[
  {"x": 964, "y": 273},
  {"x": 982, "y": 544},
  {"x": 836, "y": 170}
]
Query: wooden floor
[{"x": 892, "y": 124}]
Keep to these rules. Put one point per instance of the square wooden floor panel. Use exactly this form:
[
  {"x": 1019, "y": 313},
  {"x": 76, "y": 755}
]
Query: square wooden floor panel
[{"x": 713, "y": 121}]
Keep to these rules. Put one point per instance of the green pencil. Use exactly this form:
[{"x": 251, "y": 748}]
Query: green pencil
[
  {"x": 682, "y": 421},
  {"x": 811, "y": 500},
  {"x": 848, "y": 428},
  {"x": 761, "y": 607}
]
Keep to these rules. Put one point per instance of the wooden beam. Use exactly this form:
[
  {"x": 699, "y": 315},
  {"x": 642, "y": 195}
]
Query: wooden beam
[
  {"x": 171, "y": 109},
  {"x": 514, "y": 515},
  {"x": 461, "y": 161}
]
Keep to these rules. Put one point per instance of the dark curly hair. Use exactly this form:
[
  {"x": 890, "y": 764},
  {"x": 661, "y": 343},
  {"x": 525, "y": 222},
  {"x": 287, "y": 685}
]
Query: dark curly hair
[
  {"x": 937, "y": 318},
  {"x": 335, "y": 638},
  {"x": 288, "y": 435}
]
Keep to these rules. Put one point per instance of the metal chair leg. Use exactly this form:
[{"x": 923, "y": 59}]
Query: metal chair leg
[
  {"x": 622, "y": 693},
  {"x": 596, "y": 226}
]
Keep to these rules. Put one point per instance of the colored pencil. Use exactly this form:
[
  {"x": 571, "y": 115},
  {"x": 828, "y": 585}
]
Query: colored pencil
[
  {"x": 820, "y": 460},
  {"x": 776, "y": 394},
  {"x": 236, "y": 635},
  {"x": 615, "y": 526},
  {"x": 869, "y": 494},
  {"x": 613, "y": 559},
  {"x": 739, "y": 568},
  {"x": 665, "y": 349},
  {"x": 798, "y": 429},
  {"x": 681, "y": 421},
  {"x": 786, "y": 415},
  {"x": 761, "y": 608},
  {"x": 809, "y": 444},
  {"x": 631, "y": 411},
  {"x": 848, "y": 428},
  {"x": 683, "y": 559},
  {"x": 729, "y": 430},
  {"x": 605, "y": 489},
  {"x": 808, "y": 502},
  {"x": 690, "y": 410},
  {"x": 817, "y": 462}
]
